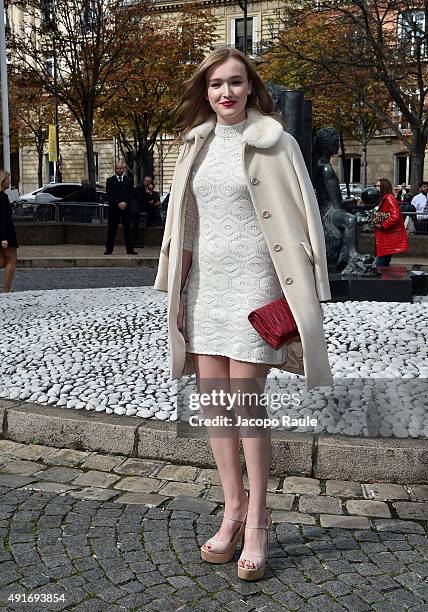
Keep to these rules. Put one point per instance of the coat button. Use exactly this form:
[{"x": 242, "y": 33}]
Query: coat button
[
  {"x": 277, "y": 247},
  {"x": 254, "y": 180},
  {"x": 288, "y": 280},
  {"x": 265, "y": 214}
]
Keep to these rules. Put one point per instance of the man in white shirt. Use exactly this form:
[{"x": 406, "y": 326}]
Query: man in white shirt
[{"x": 420, "y": 202}]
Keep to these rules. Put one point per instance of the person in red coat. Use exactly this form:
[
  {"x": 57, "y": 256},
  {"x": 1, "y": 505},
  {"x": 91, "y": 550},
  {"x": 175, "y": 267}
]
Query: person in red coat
[{"x": 390, "y": 233}]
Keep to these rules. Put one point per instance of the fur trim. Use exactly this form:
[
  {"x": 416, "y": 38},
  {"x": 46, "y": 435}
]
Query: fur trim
[{"x": 261, "y": 131}]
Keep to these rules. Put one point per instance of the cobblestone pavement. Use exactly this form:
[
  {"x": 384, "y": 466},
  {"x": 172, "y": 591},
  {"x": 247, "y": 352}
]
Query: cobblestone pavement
[
  {"x": 34, "y": 279},
  {"x": 98, "y": 532}
]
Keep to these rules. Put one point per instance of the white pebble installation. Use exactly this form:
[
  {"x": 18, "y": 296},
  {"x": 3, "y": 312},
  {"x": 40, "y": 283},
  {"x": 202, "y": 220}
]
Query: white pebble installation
[{"x": 106, "y": 350}]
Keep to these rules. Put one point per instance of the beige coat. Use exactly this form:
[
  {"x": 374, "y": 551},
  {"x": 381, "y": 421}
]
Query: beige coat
[{"x": 287, "y": 210}]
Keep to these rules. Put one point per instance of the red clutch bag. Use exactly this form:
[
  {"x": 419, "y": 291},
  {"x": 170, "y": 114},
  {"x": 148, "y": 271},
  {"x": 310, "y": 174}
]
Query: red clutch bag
[{"x": 275, "y": 323}]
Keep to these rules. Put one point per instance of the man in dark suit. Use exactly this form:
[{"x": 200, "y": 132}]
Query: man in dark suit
[{"x": 119, "y": 191}]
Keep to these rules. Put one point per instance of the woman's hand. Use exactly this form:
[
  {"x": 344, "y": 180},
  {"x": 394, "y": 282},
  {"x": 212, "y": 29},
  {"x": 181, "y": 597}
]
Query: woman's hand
[
  {"x": 180, "y": 319},
  {"x": 4, "y": 244}
]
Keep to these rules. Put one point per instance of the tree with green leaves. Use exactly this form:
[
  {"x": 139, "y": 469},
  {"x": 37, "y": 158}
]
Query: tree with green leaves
[
  {"x": 73, "y": 49},
  {"x": 165, "y": 51},
  {"x": 376, "y": 50}
]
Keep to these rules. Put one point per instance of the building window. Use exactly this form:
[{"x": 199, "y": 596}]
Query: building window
[
  {"x": 352, "y": 169},
  {"x": 411, "y": 30},
  {"x": 237, "y": 34},
  {"x": 90, "y": 15},
  {"x": 49, "y": 66},
  {"x": 402, "y": 169},
  {"x": 96, "y": 166}
]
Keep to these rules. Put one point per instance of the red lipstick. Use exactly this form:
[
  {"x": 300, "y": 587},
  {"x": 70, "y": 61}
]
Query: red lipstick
[{"x": 228, "y": 103}]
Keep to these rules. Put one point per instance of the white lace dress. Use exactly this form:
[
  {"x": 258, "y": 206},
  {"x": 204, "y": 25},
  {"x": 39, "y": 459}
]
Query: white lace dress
[{"x": 232, "y": 271}]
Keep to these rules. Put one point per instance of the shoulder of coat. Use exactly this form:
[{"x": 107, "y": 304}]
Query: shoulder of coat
[{"x": 261, "y": 131}]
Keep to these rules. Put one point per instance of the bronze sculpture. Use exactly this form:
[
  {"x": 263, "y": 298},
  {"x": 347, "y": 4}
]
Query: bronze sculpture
[{"x": 340, "y": 227}]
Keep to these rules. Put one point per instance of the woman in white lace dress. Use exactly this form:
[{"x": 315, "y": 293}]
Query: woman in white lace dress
[{"x": 223, "y": 268}]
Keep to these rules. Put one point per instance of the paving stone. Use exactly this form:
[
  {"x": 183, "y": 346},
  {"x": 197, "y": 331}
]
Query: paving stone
[
  {"x": 320, "y": 504},
  {"x": 95, "y": 494},
  {"x": 353, "y": 603},
  {"x": 412, "y": 510},
  {"x": 50, "y": 487},
  {"x": 281, "y": 516},
  {"x": 215, "y": 493},
  {"x": 178, "y": 473},
  {"x": 138, "y": 484},
  {"x": 191, "y": 489},
  {"x": 97, "y": 479},
  {"x": 385, "y": 491},
  {"x": 66, "y": 457},
  {"x": 8, "y": 446},
  {"x": 145, "y": 499},
  {"x": 272, "y": 485},
  {"x": 279, "y": 501},
  {"x": 59, "y": 474},
  {"x": 24, "y": 468},
  {"x": 343, "y": 488},
  {"x": 336, "y": 588},
  {"x": 369, "y": 594},
  {"x": 395, "y": 525},
  {"x": 102, "y": 463},
  {"x": 289, "y": 599},
  {"x": 404, "y": 598},
  {"x": 192, "y": 504},
  {"x": 364, "y": 507},
  {"x": 138, "y": 467},
  {"x": 301, "y": 485},
  {"x": 345, "y": 522},
  {"x": 209, "y": 476},
  {"x": 420, "y": 492},
  {"x": 14, "y": 480},
  {"x": 32, "y": 452}
]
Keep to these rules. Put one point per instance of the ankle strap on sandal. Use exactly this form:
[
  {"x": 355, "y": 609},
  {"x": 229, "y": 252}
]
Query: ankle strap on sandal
[{"x": 229, "y": 518}]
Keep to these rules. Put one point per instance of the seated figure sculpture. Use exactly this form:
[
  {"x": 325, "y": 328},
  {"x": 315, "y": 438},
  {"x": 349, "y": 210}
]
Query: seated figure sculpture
[{"x": 340, "y": 227}]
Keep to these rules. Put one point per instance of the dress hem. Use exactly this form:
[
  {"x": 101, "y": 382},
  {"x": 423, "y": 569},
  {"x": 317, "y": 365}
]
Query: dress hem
[{"x": 253, "y": 360}]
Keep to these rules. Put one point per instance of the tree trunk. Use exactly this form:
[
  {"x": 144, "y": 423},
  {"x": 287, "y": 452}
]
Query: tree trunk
[
  {"x": 87, "y": 133},
  {"x": 364, "y": 163},
  {"x": 40, "y": 168},
  {"x": 417, "y": 153}
]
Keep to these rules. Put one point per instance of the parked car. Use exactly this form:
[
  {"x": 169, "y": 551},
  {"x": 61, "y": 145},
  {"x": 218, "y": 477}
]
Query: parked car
[
  {"x": 56, "y": 202},
  {"x": 57, "y": 190}
]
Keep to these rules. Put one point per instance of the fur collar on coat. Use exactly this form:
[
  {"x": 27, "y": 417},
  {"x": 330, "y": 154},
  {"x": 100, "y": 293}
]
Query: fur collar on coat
[{"x": 261, "y": 131}]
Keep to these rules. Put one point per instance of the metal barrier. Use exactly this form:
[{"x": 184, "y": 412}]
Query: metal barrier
[{"x": 63, "y": 212}]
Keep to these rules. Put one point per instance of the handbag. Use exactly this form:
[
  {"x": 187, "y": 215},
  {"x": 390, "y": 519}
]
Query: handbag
[{"x": 275, "y": 323}]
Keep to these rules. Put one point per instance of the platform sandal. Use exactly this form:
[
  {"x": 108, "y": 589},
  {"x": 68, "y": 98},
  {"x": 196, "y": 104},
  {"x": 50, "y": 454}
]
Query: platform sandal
[
  {"x": 259, "y": 561},
  {"x": 224, "y": 551}
]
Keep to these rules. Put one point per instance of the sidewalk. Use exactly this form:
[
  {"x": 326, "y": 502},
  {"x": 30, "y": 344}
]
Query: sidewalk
[
  {"x": 106, "y": 532},
  {"x": 78, "y": 255}
]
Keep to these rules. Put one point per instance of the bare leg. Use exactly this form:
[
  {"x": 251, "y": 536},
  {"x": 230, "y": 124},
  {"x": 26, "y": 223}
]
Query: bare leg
[
  {"x": 2, "y": 258},
  {"x": 210, "y": 368},
  {"x": 257, "y": 450},
  {"x": 9, "y": 269}
]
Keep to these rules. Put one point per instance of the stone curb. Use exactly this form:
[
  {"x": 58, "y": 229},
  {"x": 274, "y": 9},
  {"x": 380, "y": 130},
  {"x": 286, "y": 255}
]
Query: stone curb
[
  {"x": 327, "y": 457},
  {"x": 88, "y": 262}
]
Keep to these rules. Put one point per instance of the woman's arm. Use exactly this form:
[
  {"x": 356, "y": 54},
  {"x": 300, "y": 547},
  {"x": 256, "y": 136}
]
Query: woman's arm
[
  {"x": 394, "y": 213},
  {"x": 191, "y": 220},
  {"x": 4, "y": 203}
]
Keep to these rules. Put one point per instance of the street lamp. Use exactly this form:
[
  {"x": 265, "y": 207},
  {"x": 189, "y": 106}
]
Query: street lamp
[
  {"x": 51, "y": 24},
  {"x": 4, "y": 90}
]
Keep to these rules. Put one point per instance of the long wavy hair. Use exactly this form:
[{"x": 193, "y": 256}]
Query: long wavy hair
[
  {"x": 3, "y": 175},
  {"x": 385, "y": 187},
  {"x": 193, "y": 108}
]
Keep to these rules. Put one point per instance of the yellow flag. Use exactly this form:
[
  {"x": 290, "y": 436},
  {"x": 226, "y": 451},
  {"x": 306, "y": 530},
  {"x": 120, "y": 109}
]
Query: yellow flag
[{"x": 52, "y": 148}]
